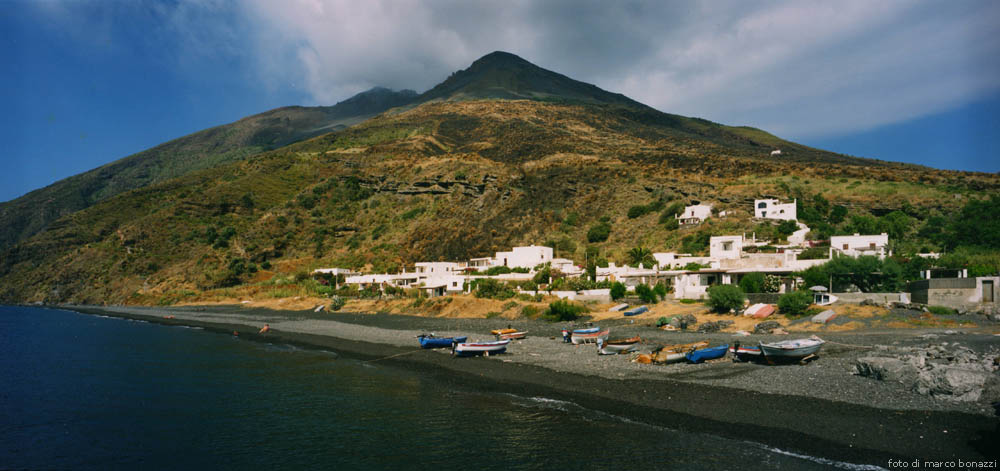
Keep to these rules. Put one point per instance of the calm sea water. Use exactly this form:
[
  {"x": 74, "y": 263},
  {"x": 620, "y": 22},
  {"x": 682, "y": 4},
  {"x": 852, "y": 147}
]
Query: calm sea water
[{"x": 80, "y": 391}]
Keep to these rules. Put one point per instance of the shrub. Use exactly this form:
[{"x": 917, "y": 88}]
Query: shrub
[
  {"x": 662, "y": 321},
  {"x": 489, "y": 288},
  {"x": 336, "y": 303},
  {"x": 563, "y": 310},
  {"x": 617, "y": 290},
  {"x": 752, "y": 283},
  {"x": 646, "y": 294},
  {"x": 786, "y": 228},
  {"x": 723, "y": 298},
  {"x": 599, "y": 232},
  {"x": 529, "y": 311},
  {"x": 794, "y": 303},
  {"x": 660, "y": 290},
  {"x": 497, "y": 270},
  {"x": 814, "y": 253},
  {"x": 772, "y": 284},
  {"x": 941, "y": 310},
  {"x": 542, "y": 277}
]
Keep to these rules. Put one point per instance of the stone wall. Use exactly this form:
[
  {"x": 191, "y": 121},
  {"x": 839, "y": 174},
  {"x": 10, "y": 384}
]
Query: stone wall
[{"x": 880, "y": 298}]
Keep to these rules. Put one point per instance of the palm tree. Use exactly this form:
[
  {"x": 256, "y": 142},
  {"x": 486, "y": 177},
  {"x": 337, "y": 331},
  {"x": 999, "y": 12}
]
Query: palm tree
[{"x": 641, "y": 255}]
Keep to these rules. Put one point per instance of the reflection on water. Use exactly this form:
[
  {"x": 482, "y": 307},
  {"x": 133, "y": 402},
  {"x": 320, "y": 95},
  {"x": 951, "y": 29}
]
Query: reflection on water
[{"x": 90, "y": 392}]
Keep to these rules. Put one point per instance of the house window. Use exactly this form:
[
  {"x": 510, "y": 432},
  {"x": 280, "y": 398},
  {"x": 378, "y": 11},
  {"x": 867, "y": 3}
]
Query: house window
[
  {"x": 781, "y": 212},
  {"x": 727, "y": 246},
  {"x": 845, "y": 246},
  {"x": 763, "y": 214},
  {"x": 761, "y": 205},
  {"x": 871, "y": 245}
]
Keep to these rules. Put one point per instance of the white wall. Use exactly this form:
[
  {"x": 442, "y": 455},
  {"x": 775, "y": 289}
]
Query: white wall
[
  {"x": 524, "y": 257},
  {"x": 725, "y": 247},
  {"x": 857, "y": 245},
  {"x": 774, "y": 209},
  {"x": 700, "y": 211}
]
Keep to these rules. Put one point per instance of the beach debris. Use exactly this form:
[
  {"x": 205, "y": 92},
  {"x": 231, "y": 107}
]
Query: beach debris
[
  {"x": 824, "y": 317},
  {"x": 620, "y": 307},
  {"x": 779, "y": 331},
  {"x": 714, "y": 326},
  {"x": 741, "y": 333},
  {"x": 644, "y": 358},
  {"x": 766, "y": 327},
  {"x": 319, "y": 308}
]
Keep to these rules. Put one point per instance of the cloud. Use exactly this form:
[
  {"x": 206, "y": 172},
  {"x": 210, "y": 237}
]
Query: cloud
[{"x": 799, "y": 69}]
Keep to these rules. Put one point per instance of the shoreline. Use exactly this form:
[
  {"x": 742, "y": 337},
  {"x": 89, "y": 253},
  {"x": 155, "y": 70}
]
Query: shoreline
[{"x": 797, "y": 423}]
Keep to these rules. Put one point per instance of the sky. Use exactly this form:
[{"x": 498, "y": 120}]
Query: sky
[{"x": 90, "y": 82}]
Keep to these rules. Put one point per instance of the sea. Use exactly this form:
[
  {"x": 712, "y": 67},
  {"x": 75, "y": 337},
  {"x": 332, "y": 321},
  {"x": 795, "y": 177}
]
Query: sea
[{"x": 80, "y": 391}]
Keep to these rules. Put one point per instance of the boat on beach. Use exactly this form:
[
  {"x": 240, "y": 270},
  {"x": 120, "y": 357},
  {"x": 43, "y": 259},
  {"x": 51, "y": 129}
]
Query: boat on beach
[
  {"x": 675, "y": 353},
  {"x": 745, "y": 352},
  {"x": 567, "y": 334},
  {"x": 616, "y": 346},
  {"x": 791, "y": 349},
  {"x": 432, "y": 341},
  {"x": 588, "y": 337},
  {"x": 468, "y": 349},
  {"x": 636, "y": 311},
  {"x": 701, "y": 355},
  {"x": 515, "y": 335}
]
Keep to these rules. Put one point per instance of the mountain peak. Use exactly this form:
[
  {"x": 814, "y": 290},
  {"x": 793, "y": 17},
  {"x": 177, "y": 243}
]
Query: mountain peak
[{"x": 504, "y": 75}]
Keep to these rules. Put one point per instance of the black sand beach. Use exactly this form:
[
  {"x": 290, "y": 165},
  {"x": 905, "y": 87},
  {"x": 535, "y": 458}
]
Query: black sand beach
[{"x": 819, "y": 409}]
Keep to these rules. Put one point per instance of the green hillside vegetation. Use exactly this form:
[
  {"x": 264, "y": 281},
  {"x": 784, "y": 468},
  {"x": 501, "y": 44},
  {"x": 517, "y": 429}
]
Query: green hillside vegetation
[
  {"x": 31, "y": 213},
  {"x": 455, "y": 178}
]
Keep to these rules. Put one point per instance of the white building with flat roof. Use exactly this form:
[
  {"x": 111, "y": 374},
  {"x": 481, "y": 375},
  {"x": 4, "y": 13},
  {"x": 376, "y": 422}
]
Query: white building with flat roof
[
  {"x": 523, "y": 257},
  {"x": 857, "y": 245},
  {"x": 774, "y": 209},
  {"x": 725, "y": 247},
  {"x": 695, "y": 214}
]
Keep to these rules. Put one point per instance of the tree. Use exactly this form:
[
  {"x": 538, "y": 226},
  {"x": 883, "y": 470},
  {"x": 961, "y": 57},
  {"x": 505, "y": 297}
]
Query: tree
[
  {"x": 563, "y": 310},
  {"x": 661, "y": 290},
  {"x": 794, "y": 303},
  {"x": 599, "y": 232},
  {"x": 837, "y": 214},
  {"x": 752, "y": 283},
  {"x": 786, "y": 228},
  {"x": 976, "y": 225},
  {"x": 723, "y": 298},
  {"x": 542, "y": 276},
  {"x": 617, "y": 291},
  {"x": 641, "y": 255}
]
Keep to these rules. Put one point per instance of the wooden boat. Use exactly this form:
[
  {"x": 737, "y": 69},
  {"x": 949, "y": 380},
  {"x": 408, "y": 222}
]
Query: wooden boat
[
  {"x": 432, "y": 341},
  {"x": 698, "y": 356},
  {"x": 503, "y": 331},
  {"x": 469, "y": 349},
  {"x": 745, "y": 353},
  {"x": 586, "y": 330},
  {"x": 791, "y": 349},
  {"x": 636, "y": 311},
  {"x": 616, "y": 346},
  {"x": 515, "y": 335},
  {"x": 590, "y": 337},
  {"x": 675, "y": 353}
]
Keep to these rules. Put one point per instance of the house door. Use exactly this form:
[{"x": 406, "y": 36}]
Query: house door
[{"x": 987, "y": 291}]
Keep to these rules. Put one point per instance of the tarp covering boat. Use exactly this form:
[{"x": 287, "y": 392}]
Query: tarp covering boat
[{"x": 636, "y": 311}]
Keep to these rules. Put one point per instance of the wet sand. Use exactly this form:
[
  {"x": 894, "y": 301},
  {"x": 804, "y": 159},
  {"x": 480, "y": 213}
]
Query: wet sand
[{"x": 819, "y": 409}]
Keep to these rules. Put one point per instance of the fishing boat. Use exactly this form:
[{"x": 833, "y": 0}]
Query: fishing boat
[
  {"x": 616, "y": 346},
  {"x": 745, "y": 353},
  {"x": 675, "y": 353},
  {"x": 589, "y": 337},
  {"x": 432, "y": 341},
  {"x": 515, "y": 335},
  {"x": 636, "y": 311},
  {"x": 791, "y": 349},
  {"x": 469, "y": 349},
  {"x": 587, "y": 330},
  {"x": 698, "y": 356},
  {"x": 759, "y": 311}
]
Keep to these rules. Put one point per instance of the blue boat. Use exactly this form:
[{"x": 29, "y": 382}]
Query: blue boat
[
  {"x": 430, "y": 341},
  {"x": 588, "y": 330},
  {"x": 636, "y": 311},
  {"x": 709, "y": 353}
]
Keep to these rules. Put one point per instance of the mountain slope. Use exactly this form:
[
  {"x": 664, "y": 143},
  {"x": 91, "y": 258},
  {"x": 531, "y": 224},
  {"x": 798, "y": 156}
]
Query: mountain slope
[
  {"x": 31, "y": 213},
  {"x": 505, "y": 75}
]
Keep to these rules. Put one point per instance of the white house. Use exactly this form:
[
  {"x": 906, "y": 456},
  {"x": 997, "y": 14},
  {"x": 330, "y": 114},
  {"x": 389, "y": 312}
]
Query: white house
[
  {"x": 695, "y": 284},
  {"x": 774, "y": 209},
  {"x": 523, "y": 257},
  {"x": 566, "y": 266},
  {"x": 695, "y": 214},
  {"x": 857, "y": 245},
  {"x": 725, "y": 247},
  {"x": 776, "y": 152},
  {"x": 429, "y": 269}
]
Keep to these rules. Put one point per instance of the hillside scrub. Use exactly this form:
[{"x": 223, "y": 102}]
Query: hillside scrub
[
  {"x": 599, "y": 232},
  {"x": 562, "y": 310}
]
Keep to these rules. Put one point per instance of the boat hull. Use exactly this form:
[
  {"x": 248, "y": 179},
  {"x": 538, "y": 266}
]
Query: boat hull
[
  {"x": 791, "y": 349},
  {"x": 698, "y": 356},
  {"x": 746, "y": 353},
  {"x": 512, "y": 336},
  {"x": 439, "y": 342},
  {"x": 588, "y": 338},
  {"x": 480, "y": 348}
]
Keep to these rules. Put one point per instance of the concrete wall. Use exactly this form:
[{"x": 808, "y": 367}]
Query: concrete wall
[
  {"x": 956, "y": 293},
  {"x": 880, "y": 298}
]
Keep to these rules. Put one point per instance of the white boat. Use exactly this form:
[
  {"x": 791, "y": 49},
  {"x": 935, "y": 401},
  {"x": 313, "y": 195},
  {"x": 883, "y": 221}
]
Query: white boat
[
  {"x": 466, "y": 349},
  {"x": 791, "y": 349},
  {"x": 614, "y": 347},
  {"x": 589, "y": 337}
]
